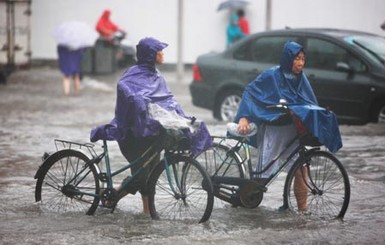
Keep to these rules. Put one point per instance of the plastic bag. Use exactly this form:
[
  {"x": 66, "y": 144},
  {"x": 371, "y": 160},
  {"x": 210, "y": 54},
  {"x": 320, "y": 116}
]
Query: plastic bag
[
  {"x": 232, "y": 128},
  {"x": 175, "y": 139},
  {"x": 170, "y": 119}
]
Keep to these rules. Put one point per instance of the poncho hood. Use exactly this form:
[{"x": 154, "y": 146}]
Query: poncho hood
[
  {"x": 106, "y": 14},
  {"x": 146, "y": 50},
  {"x": 290, "y": 51}
]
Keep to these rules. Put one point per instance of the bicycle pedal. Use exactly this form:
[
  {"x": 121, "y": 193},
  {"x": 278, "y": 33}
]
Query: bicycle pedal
[{"x": 113, "y": 208}]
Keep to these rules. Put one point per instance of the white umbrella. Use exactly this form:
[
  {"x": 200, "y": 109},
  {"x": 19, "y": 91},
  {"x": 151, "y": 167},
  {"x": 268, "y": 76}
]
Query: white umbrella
[
  {"x": 232, "y": 4},
  {"x": 75, "y": 34}
]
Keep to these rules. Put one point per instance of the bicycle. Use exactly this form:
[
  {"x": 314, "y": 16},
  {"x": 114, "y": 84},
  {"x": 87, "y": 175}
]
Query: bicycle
[
  {"x": 70, "y": 181},
  {"x": 229, "y": 163}
]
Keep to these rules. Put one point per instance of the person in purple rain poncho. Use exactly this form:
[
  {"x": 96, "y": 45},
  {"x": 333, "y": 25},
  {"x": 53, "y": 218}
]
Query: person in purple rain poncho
[
  {"x": 69, "y": 64},
  {"x": 286, "y": 81},
  {"x": 133, "y": 127}
]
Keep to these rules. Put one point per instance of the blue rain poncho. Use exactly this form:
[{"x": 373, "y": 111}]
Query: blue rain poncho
[
  {"x": 279, "y": 83},
  {"x": 139, "y": 86}
]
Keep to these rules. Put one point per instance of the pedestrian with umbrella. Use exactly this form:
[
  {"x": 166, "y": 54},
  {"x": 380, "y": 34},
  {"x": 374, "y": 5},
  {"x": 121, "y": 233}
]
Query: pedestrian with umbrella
[
  {"x": 233, "y": 31},
  {"x": 72, "y": 38},
  {"x": 238, "y": 26}
]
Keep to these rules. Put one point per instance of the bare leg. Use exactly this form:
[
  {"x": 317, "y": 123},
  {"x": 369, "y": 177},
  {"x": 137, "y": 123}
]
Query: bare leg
[
  {"x": 66, "y": 85},
  {"x": 300, "y": 189},
  {"x": 76, "y": 84},
  {"x": 146, "y": 209}
]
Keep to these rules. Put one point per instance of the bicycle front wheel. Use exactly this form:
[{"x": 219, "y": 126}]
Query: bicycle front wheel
[
  {"x": 219, "y": 160},
  {"x": 66, "y": 183},
  {"x": 319, "y": 187},
  {"x": 180, "y": 189}
]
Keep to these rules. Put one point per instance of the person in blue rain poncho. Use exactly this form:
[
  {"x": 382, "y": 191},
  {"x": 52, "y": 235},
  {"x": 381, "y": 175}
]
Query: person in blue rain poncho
[
  {"x": 286, "y": 81},
  {"x": 142, "y": 87}
]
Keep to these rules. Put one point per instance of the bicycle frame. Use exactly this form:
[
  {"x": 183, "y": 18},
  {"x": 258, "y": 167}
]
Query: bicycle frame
[
  {"x": 146, "y": 158},
  {"x": 241, "y": 143},
  {"x": 107, "y": 176}
]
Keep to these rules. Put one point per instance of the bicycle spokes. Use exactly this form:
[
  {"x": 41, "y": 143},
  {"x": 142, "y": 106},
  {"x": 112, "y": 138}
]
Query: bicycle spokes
[{"x": 325, "y": 188}]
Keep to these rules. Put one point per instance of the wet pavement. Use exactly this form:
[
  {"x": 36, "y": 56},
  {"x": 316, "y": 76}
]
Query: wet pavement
[{"x": 34, "y": 112}]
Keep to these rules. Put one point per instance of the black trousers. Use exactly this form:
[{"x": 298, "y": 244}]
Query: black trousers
[{"x": 132, "y": 148}]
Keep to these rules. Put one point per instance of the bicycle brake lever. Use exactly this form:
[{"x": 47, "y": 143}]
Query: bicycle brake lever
[{"x": 193, "y": 119}]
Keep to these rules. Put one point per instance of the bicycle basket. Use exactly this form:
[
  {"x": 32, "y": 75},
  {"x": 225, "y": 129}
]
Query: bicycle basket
[{"x": 175, "y": 140}]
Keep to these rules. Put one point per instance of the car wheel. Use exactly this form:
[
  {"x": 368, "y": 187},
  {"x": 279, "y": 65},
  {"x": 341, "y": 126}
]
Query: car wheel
[
  {"x": 377, "y": 114},
  {"x": 381, "y": 114},
  {"x": 227, "y": 105}
]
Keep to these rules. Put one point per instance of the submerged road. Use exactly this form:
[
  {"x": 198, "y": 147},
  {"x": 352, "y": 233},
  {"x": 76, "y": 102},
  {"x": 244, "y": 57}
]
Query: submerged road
[{"x": 34, "y": 112}]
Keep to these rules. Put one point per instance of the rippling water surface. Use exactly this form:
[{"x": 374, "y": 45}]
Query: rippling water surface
[{"x": 33, "y": 113}]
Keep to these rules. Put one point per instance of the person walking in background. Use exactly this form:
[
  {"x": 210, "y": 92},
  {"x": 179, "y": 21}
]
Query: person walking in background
[
  {"x": 70, "y": 65},
  {"x": 233, "y": 31},
  {"x": 243, "y": 22},
  {"x": 72, "y": 37},
  {"x": 109, "y": 30}
]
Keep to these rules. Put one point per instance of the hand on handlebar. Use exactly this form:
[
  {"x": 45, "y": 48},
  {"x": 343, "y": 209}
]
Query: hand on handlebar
[{"x": 243, "y": 126}]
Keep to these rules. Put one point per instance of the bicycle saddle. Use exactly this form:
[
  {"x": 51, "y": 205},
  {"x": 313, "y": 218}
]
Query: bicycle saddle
[{"x": 232, "y": 128}]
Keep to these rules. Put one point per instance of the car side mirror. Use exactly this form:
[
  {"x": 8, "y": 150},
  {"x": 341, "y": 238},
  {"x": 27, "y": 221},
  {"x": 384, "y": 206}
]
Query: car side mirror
[{"x": 342, "y": 66}]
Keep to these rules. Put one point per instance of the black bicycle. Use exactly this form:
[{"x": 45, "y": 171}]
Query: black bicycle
[
  {"x": 70, "y": 181},
  {"x": 327, "y": 188}
]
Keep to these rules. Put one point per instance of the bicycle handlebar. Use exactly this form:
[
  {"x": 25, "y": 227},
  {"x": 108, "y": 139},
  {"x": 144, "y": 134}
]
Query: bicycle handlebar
[{"x": 281, "y": 105}]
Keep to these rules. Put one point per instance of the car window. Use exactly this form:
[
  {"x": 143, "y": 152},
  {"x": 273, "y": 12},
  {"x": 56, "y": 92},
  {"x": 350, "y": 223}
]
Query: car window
[
  {"x": 263, "y": 49},
  {"x": 325, "y": 55},
  {"x": 372, "y": 46}
]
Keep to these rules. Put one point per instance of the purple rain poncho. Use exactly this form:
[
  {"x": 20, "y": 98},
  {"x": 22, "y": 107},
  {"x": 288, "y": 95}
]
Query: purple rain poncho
[
  {"x": 279, "y": 83},
  {"x": 140, "y": 85}
]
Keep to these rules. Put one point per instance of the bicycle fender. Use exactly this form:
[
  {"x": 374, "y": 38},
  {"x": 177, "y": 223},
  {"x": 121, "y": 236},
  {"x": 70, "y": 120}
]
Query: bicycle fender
[
  {"x": 47, "y": 158},
  {"x": 314, "y": 149}
]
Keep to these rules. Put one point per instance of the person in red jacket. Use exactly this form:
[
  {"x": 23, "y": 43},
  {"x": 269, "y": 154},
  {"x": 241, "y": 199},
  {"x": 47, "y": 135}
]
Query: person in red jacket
[
  {"x": 243, "y": 22},
  {"x": 109, "y": 30}
]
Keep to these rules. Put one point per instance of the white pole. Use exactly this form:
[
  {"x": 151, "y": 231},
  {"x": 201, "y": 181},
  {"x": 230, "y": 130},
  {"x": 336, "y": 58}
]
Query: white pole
[
  {"x": 180, "y": 66},
  {"x": 268, "y": 15}
]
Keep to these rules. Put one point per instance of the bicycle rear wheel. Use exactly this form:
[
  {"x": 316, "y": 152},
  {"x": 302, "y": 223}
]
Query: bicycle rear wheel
[
  {"x": 180, "y": 189},
  {"x": 65, "y": 183},
  {"x": 219, "y": 160},
  {"x": 327, "y": 191}
]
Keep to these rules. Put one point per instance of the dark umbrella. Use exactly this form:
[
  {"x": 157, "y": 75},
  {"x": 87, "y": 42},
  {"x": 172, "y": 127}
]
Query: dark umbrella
[{"x": 232, "y": 4}]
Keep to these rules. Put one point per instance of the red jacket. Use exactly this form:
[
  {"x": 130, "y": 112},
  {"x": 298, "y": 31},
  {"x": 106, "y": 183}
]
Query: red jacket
[
  {"x": 244, "y": 25},
  {"x": 104, "y": 26}
]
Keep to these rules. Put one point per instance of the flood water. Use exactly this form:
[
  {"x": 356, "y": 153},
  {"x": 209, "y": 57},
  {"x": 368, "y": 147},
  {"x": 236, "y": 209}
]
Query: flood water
[{"x": 33, "y": 112}]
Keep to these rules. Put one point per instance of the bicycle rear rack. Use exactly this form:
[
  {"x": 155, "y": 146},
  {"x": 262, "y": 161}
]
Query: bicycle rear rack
[{"x": 64, "y": 144}]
